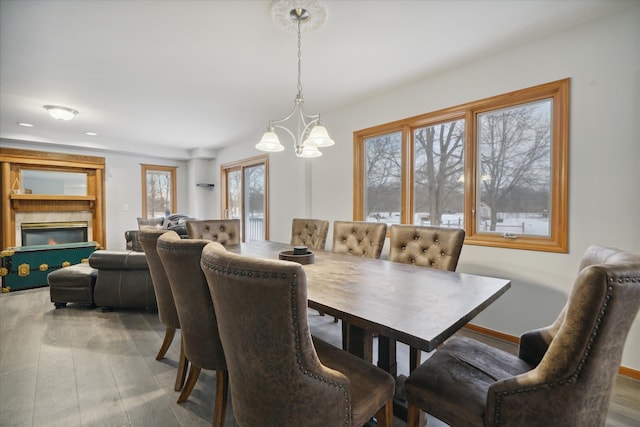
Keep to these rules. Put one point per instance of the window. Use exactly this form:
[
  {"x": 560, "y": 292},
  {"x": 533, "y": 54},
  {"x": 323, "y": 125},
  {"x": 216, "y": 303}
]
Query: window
[
  {"x": 245, "y": 196},
  {"x": 497, "y": 168},
  {"x": 158, "y": 190}
]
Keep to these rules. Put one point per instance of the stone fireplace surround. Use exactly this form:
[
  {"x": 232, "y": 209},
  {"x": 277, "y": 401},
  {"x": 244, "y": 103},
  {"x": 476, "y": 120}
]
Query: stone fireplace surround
[{"x": 45, "y": 217}]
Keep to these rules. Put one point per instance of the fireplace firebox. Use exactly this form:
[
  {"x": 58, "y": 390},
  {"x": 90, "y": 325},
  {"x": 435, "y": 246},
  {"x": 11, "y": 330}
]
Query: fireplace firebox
[{"x": 53, "y": 233}]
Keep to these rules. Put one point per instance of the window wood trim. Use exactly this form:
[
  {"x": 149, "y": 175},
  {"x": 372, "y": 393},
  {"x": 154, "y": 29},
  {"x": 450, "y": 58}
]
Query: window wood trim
[{"x": 557, "y": 241}]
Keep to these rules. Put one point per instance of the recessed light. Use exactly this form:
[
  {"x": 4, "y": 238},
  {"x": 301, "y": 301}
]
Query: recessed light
[
  {"x": 27, "y": 125},
  {"x": 91, "y": 133}
]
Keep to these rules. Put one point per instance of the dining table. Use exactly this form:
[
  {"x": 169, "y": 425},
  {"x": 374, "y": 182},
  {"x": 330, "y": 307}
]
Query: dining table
[{"x": 420, "y": 307}]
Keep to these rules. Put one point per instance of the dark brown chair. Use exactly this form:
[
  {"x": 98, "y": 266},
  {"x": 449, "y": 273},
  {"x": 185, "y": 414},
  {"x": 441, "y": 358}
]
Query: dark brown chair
[
  {"x": 148, "y": 237},
  {"x": 431, "y": 247},
  {"x": 199, "y": 327},
  {"x": 311, "y": 233},
  {"x": 224, "y": 231},
  {"x": 563, "y": 374},
  {"x": 359, "y": 238},
  {"x": 279, "y": 375}
]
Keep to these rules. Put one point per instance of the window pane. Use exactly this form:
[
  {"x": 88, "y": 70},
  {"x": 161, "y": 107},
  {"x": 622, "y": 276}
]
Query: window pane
[
  {"x": 234, "y": 194},
  {"x": 158, "y": 193},
  {"x": 383, "y": 159},
  {"x": 514, "y": 170},
  {"x": 254, "y": 193},
  {"x": 438, "y": 173}
]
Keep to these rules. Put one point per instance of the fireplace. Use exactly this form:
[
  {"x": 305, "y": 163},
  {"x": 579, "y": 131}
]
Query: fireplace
[{"x": 53, "y": 233}]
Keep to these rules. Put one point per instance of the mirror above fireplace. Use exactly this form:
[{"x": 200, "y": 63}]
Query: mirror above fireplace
[{"x": 53, "y": 182}]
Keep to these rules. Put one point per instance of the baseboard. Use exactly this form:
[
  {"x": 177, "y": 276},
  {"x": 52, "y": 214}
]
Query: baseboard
[{"x": 623, "y": 370}]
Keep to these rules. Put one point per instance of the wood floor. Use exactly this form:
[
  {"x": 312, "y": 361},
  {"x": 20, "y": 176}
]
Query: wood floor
[{"x": 82, "y": 367}]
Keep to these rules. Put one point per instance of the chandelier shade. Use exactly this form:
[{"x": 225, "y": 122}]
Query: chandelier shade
[
  {"x": 309, "y": 132},
  {"x": 270, "y": 142}
]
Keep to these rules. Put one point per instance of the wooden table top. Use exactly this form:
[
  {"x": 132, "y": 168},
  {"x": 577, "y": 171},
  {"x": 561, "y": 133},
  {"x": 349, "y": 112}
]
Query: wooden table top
[{"x": 418, "y": 306}]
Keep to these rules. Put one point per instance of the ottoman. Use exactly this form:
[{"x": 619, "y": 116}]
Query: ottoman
[{"x": 74, "y": 284}]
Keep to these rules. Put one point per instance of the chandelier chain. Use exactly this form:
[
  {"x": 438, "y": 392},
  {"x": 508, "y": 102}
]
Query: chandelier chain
[{"x": 299, "y": 59}]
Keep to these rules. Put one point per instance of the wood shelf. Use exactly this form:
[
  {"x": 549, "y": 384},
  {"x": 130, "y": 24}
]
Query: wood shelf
[
  {"x": 55, "y": 197},
  {"x": 43, "y": 202}
]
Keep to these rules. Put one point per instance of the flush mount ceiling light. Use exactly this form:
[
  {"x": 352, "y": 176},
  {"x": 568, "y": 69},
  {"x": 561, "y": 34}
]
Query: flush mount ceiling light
[
  {"x": 310, "y": 131},
  {"x": 63, "y": 114}
]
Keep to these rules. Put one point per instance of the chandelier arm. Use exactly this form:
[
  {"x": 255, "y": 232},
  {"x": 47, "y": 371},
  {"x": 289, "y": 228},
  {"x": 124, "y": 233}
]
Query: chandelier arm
[{"x": 286, "y": 130}]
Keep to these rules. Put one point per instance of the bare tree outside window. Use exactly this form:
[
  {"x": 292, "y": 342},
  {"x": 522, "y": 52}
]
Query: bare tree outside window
[
  {"x": 438, "y": 168},
  {"x": 515, "y": 167},
  {"x": 383, "y": 157}
]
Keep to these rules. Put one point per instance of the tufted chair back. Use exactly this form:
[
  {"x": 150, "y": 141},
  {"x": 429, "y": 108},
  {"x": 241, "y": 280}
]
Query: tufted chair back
[
  {"x": 199, "y": 326},
  {"x": 224, "y": 231},
  {"x": 276, "y": 376},
  {"x": 359, "y": 238},
  {"x": 432, "y": 247},
  {"x": 564, "y": 373},
  {"x": 311, "y": 233}
]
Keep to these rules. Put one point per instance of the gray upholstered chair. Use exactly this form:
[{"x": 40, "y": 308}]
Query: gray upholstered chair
[
  {"x": 148, "y": 237},
  {"x": 563, "y": 374},
  {"x": 224, "y": 231},
  {"x": 198, "y": 324},
  {"x": 359, "y": 238},
  {"x": 279, "y": 375},
  {"x": 311, "y": 233},
  {"x": 431, "y": 247}
]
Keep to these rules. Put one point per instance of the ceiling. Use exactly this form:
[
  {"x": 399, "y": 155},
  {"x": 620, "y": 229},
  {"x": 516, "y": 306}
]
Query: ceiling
[{"x": 180, "y": 79}]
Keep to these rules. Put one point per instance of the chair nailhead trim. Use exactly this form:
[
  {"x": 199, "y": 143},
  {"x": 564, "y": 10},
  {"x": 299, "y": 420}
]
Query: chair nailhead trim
[
  {"x": 583, "y": 359},
  {"x": 219, "y": 270}
]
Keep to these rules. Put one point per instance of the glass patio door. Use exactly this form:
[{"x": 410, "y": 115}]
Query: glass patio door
[{"x": 245, "y": 196}]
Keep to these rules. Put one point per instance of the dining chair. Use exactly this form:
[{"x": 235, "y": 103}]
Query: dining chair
[
  {"x": 167, "y": 313},
  {"x": 279, "y": 375},
  {"x": 199, "y": 326},
  {"x": 359, "y": 238},
  {"x": 425, "y": 246},
  {"x": 224, "y": 231},
  {"x": 432, "y": 247},
  {"x": 311, "y": 233},
  {"x": 563, "y": 374}
]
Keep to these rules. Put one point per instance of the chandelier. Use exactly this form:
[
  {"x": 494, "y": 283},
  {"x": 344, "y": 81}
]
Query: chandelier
[{"x": 310, "y": 133}]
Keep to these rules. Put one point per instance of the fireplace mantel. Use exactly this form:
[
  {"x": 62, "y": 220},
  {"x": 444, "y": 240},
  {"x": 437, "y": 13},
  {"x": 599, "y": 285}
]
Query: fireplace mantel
[
  {"x": 12, "y": 161},
  {"x": 42, "y": 202}
]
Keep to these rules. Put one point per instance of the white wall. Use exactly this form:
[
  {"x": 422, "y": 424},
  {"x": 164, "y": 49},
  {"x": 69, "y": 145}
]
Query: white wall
[{"x": 603, "y": 61}]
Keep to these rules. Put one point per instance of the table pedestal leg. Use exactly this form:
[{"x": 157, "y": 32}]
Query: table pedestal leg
[
  {"x": 358, "y": 341},
  {"x": 387, "y": 355}
]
